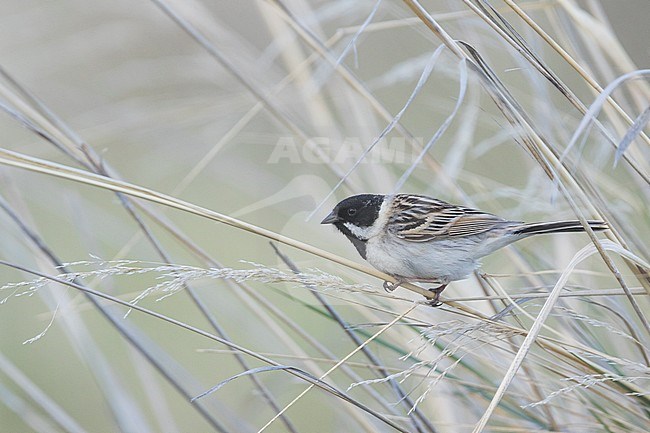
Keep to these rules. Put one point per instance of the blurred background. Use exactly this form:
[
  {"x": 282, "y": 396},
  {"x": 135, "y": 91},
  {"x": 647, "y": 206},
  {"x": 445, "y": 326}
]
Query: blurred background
[{"x": 256, "y": 110}]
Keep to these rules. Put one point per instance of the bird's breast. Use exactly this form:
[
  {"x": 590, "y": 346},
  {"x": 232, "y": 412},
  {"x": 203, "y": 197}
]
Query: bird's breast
[{"x": 441, "y": 260}]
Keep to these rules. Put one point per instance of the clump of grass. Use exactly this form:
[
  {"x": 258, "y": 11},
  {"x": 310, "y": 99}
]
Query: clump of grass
[{"x": 531, "y": 110}]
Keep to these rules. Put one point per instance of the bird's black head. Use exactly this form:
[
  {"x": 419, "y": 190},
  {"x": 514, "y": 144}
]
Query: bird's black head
[
  {"x": 358, "y": 210},
  {"x": 354, "y": 216}
]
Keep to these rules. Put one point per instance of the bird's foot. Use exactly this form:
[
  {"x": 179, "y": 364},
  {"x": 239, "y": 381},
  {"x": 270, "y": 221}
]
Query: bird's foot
[
  {"x": 389, "y": 287},
  {"x": 435, "y": 301}
]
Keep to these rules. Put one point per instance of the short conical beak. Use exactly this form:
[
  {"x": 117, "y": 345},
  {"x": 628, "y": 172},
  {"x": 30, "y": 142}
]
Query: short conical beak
[{"x": 330, "y": 219}]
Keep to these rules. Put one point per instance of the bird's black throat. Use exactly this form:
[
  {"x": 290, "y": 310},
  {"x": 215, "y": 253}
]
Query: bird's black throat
[{"x": 359, "y": 244}]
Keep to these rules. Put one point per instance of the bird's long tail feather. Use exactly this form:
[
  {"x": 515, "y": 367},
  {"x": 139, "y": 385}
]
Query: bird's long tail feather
[{"x": 557, "y": 227}]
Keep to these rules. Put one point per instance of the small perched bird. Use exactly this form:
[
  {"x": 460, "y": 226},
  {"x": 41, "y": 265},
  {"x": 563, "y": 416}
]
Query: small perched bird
[{"x": 419, "y": 238}]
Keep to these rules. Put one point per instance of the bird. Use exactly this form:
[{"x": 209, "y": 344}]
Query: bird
[{"x": 417, "y": 238}]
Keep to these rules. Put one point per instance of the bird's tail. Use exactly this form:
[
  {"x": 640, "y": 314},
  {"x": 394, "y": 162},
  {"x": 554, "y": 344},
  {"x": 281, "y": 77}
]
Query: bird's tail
[{"x": 557, "y": 227}]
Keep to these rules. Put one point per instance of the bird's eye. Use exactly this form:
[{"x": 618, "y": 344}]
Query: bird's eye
[{"x": 352, "y": 211}]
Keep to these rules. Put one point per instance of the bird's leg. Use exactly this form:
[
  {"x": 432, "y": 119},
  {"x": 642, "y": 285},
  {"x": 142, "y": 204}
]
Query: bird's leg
[
  {"x": 435, "y": 301},
  {"x": 389, "y": 287}
]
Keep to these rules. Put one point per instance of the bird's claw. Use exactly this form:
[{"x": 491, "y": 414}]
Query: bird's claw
[
  {"x": 435, "y": 301},
  {"x": 389, "y": 287}
]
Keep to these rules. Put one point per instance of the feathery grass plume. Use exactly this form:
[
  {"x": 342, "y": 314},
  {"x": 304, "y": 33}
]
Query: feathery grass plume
[
  {"x": 585, "y": 382},
  {"x": 175, "y": 277}
]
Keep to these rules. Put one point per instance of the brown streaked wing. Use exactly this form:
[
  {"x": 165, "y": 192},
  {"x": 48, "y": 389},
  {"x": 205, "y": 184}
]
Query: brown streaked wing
[{"x": 421, "y": 219}]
